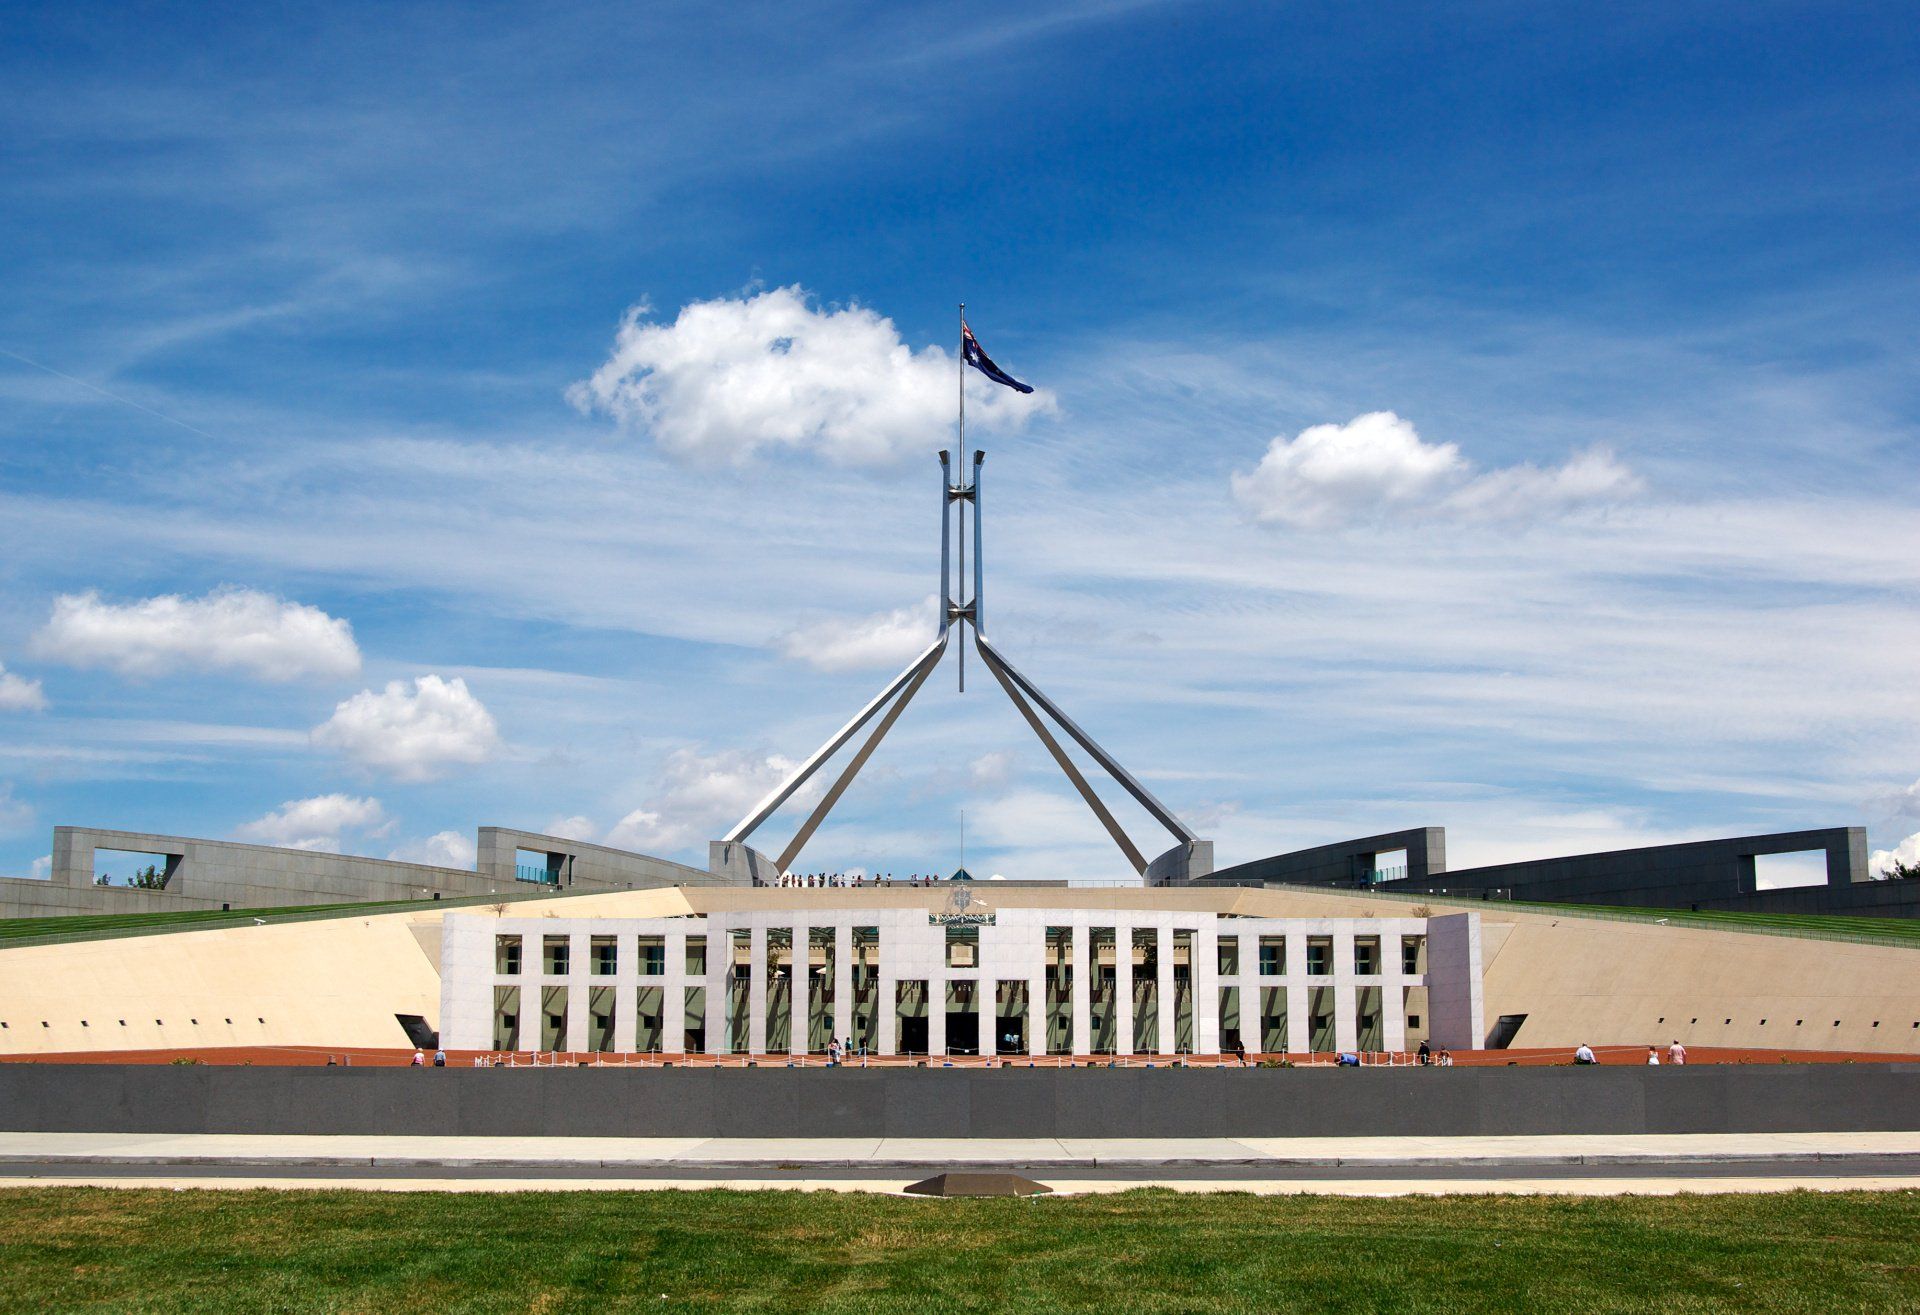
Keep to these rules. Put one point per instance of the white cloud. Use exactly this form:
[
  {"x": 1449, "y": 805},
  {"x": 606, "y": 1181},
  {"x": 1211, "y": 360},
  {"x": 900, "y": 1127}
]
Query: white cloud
[
  {"x": 1377, "y": 463},
  {"x": 316, "y": 823},
  {"x": 16, "y": 815},
  {"x": 231, "y": 629},
  {"x": 43, "y": 867},
  {"x": 884, "y": 639},
  {"x": 698, "y": 796},
  {"x": 734, "y": 376},
  {"x": 442, "y": 849},
  {"x": 1901, "y": 803},
  {"x": 571, "y": 828},
  {"x": 412, "y": 734},
  {"x": 991, "y": 771},
  {"x": 1907, "y": 851},
  {"x": 18, "y": 694}
]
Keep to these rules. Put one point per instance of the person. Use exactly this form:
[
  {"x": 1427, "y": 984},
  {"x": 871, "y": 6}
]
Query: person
[
  {"x": 419, "y": 1059},
  {"x": 1348, "y": 1059},
  {"x": 1446, "y": 1059},
  {"x": 1584, "y": 1054},
  {"x": 1426, "y": 1053},
  {"x": 1676, "y": 1053},
  {"x": 439, "y": 1058},
  {"x": 1653, "y": 1057},
  {"x": 1240, "y": 1051},
  {"x": 833, "y": 1052}
]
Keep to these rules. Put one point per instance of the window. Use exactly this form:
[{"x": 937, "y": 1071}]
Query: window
[
  {"x": 600, "y": 1019},
  {"x": 553, "y": 1017},
  {"x": 653, "y": 956},
  {"x": 1229, "y": 956},
  {"x": 1786, "y": 871},
  {"x": 963, "y": 947},
  {"x": 696, "y": 956},
  {"x": 506, "y": 1018},
  {"x": 649, "y": 1007},
  {"x": 1366, "y": 956},
  {"x": 1273, "y": 956},
  {"x": 1319, "y": 957},
  {"x": 694, "y": 1041},
  {"x": 133, "y": 869},
  {"x": 1413, "y": 955},
  {"x": 506, "y": 956},
  {"x": 558, "y": 955},
  {"x": 606, "y": 956}
]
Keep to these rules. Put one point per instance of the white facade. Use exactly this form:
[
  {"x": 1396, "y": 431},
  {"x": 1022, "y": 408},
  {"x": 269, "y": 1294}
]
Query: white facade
[{"x": 1329, "y": 1003}]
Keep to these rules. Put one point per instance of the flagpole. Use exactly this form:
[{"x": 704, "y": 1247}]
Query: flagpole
[{"x": 960, "y": 387}]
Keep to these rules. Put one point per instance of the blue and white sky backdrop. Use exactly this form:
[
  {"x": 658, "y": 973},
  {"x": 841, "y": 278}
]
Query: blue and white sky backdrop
[{"x": 1501, "y": 416}]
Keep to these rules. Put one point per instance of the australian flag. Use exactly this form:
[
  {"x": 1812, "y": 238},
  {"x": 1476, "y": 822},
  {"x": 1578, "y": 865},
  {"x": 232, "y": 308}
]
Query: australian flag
[{"x": 979, "y": 360}]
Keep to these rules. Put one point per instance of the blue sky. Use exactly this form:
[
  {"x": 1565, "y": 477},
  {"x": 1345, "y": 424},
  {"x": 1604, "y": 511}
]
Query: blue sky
[{"x": 1500, "y": 417}]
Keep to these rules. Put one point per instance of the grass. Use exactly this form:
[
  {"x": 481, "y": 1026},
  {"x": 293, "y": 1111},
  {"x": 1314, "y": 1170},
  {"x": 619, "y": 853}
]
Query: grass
[
  {"x": 75, "y": 1249},
  {"x": 100, "y": 926},
  {"x": 1832, "y": 926}
]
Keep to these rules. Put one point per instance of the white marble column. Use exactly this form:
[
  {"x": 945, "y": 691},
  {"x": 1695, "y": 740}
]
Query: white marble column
[
  {"x": 1346, "y": 998},
  {"x": 757, "y": 992},
  {"x": 1204, "y": 975}
]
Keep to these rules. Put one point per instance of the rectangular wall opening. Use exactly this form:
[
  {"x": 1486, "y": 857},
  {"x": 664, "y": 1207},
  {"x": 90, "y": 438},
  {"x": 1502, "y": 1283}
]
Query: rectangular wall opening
[
  {"x": 1146, "y": 991},
  {"x": 649, "y": 1018},
  {"x": 740, "y": 993},
  {"x": 1010, "y": 1018},
  {"x": 865, "y": 975},
  {"x": 133, "y": 869},
  {"x": 1059, "y": 990},
  {"x": 1102, "y": 1016},
  {"x": 1229, "y": 1019},
  {"x": 820, "y": 974},
  {"x": 779, "y": 989},
  {"x": 910, "y": 1018},
  {"x": 506, "y": 1018},
  {"x": 963, "y": 1017},
  {"x": 1807, "y": 867},
  {"x": 537, "y": 868},
  {"x": 694, "y": 1040}
]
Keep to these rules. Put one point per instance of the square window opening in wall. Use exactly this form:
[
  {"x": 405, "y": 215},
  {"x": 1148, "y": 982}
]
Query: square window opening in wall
[
  {"x": 539, "y": 868},
  {"x": 1807, "y": 867},
  {"x": 133, "y": 869}
]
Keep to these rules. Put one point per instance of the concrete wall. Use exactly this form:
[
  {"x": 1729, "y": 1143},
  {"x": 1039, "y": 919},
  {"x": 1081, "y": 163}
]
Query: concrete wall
[
  {"x": 578, "y": 865},
  {"x": 1706, "y": 874},
  {"x": 1339, "y": 864},
  {"x": 959, "y": 1102},
  {"x": 215, "y": 874}
]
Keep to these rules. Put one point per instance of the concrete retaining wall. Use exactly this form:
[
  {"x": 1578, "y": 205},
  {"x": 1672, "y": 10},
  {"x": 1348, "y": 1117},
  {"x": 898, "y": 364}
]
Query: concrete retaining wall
[{"x": 960, "y": 1103}]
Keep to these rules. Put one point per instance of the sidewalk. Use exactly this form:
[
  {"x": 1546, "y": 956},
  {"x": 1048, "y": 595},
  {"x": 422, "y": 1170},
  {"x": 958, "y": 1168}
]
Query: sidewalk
[{"x": 879, "y": 1154}]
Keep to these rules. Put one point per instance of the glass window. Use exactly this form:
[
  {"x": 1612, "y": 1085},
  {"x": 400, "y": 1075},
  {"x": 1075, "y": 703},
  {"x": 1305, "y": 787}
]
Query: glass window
[
  {"x": 820, "y": 975},
  {"x": 865, "y": 977},
  {"x": 506, "y": 1018},
  {"x": 1371, "y": 1029},
  {"x": 600, "y": 1019},
  {"x": 649, "y": 1022},
  {"x": 1319, "y": 956},
  {"x": 740, "y": 993},
  {"x": 506, "y": 956},
  {"x": 780, "y": 966},
  {"x": 1059, "y": 986},
  {"x": 696, "y": 956},
  {"x": 1273, "y": 1020},
  {"x": 558, "y": 956},
  {"x": 963, "y": 947},
  {"x": 1366, "y": 955},
  {"x": 1413, "y": 954},
  {"x": 653, "y": 956},
  {"x": 1273, "y": 956},
  {"x": 553, "y": 1017},
  {"x": 1320, "y": 1018},
  {"x": 1229, "y": 956},
  {"x": 606, "y": 955},
  {"x": 1102, "y": 1014},
  {"x": 1146, "y": 991},
  {"x": 695, "y": 1042},
  {"x": 1229, "y": 1019}
]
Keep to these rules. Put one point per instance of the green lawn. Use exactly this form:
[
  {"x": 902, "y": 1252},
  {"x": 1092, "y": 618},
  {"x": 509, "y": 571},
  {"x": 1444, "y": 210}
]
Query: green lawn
[
  {"x": 101, "y": 1250},
  {"x": 99, "y": 926}
]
